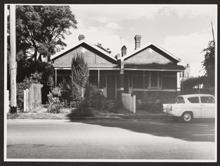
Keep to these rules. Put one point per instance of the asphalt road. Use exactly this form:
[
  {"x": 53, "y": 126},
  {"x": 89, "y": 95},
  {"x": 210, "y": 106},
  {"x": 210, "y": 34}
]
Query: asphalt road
[{"x": 110, "y": 139}]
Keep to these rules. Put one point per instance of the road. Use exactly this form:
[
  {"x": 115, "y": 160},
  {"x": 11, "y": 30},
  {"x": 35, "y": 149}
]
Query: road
[{"x": 110, "y": 139}]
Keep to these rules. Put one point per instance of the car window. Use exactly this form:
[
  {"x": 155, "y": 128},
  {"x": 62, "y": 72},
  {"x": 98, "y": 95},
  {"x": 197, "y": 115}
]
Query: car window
[
  {"x": 193, "y": 99},
  {"x": 207, "y": 99},
  {"x": 180, "y": 100}
]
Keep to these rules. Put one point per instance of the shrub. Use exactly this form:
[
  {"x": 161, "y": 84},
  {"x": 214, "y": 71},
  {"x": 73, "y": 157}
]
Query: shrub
[
  {"x": 79, "y": 76},
  {"x": 112, "y": 106},
  {"x": 97, "y": 100},
  {"x": 66, "y": 94},
  {"x": 82, "y": 111},
  {"x": 54, "y": 101}
]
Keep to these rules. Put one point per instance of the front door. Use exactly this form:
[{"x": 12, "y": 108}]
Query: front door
[{"x": 111, "y": 86}]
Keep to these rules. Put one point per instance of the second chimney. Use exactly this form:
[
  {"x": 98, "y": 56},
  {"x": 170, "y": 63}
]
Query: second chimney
[
  {"x": 137, "y": 39},
  {"x": 81, "y": 37},
  {"x": 123, "y": 50}
]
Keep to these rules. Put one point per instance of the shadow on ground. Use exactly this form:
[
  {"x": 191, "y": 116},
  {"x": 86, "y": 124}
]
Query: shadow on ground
[{"x": 198, "y": 130}]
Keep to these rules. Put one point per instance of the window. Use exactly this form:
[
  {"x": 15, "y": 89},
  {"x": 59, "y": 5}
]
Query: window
[
  {"x": 207, "y": 99},
  {"x": 180, "y": 100},
  {"x": 154, "y": 79},
  {"x": 93, "y": 77},
  {"x": 193, "y": 99},
  {"x": 146, "y": 79},
  {"x": 138, "y": 81},
  {"x": 169, "y": 80}
]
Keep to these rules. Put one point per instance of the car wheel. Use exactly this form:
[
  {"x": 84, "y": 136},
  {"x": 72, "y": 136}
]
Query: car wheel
[{"x": 187, "y": 117}]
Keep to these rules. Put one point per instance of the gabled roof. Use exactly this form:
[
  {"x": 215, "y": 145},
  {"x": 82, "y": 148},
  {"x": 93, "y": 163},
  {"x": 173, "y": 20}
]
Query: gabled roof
[
  {"x": 59, "y": 54},
  {"x": 157, "y": 48}
]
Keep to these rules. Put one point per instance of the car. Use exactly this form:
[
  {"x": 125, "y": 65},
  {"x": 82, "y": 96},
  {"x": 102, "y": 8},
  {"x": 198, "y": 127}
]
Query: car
[{"x": 188, "y": 107}]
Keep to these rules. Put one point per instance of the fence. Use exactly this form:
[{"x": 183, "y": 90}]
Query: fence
[
  {"x": 129, "y": 102},
  {"x": 32, "y": 97}
]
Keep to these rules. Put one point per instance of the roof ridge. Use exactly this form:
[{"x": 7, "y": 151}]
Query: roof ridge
[{"x": 88, "y": 43}]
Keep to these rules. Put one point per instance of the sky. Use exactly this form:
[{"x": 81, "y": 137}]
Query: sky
[{"x": 183, "y": 30}]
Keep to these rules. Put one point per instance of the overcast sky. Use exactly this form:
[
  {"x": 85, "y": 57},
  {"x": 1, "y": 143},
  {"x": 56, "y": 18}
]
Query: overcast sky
[{"x": 183, "y": 30}]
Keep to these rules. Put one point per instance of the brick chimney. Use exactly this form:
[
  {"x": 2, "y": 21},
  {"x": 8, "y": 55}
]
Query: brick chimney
[
  {"x": 123, "y": 50},
  {"x": 137, "y": 39},
  {"x": 81, "y": 37}
]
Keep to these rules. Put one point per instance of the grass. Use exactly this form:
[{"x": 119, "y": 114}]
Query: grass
[{"x": 40, "y": 113}]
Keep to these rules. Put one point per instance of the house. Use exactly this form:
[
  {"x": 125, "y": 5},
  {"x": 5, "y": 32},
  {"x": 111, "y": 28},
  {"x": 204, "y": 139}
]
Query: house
[{"x": 149, "y": 72}]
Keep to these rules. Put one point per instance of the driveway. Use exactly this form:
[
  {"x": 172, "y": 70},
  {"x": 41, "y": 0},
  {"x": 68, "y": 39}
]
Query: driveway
[{"x": 110, "y": 139}]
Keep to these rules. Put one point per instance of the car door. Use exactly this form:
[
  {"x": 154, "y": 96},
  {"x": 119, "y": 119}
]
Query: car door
[
  {"x": 208, "y": 106},
  {"x": 194, "y": 105}
]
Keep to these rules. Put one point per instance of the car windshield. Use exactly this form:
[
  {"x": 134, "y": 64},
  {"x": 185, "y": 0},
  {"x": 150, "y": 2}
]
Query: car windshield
[{"x": 180, "y": 99}]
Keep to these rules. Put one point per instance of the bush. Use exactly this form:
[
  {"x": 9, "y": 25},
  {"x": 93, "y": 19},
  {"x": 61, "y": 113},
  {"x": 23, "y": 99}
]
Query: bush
[
  {"x": 66, "y": 93},
  {"x": 54, "y": 101},
  {"x": 98, "y": 101},
  {"x": 95, "y": 98},
  {"x": 82, "y": 111},
  {"x": 112, "y": 106}
]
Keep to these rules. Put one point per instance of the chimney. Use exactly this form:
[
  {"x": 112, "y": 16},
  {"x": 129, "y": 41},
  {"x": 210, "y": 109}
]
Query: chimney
[
  {"x": 123, "y": 50},
  {"x": 137, "y": 39},
  {"x": 81, "y": 37}
]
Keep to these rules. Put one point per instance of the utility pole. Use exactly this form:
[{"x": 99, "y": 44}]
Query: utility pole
[{"x": 13, "y": 64}]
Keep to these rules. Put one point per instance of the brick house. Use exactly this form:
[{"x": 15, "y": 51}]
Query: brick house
[{"x": 149, "y": 72}]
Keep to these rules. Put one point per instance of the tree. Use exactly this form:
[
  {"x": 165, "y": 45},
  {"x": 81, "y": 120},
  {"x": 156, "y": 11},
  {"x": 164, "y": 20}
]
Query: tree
[
  {"x": 209, "y": 63},
  {"x": 79, "y": 76},
  {"x": 41, "y": 30},
  {"x": 189, "y": 84}
]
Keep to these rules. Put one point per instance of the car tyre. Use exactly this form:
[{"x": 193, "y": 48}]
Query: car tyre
[{"x": 187, "y": 117}]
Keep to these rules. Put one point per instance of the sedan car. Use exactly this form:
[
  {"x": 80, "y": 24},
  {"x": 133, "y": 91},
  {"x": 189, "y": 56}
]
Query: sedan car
[{"x": 191, "y": 106}]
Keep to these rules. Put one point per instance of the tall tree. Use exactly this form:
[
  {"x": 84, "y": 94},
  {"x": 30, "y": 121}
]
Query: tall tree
[
  {"x": 79, "y": 76},
  {"x": 41, "y": 30},
  {"x": 209, "y": 63}
]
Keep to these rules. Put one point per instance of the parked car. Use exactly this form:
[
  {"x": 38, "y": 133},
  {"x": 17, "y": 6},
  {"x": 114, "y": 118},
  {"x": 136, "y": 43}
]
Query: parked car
[{"x": 191, "y": 106}]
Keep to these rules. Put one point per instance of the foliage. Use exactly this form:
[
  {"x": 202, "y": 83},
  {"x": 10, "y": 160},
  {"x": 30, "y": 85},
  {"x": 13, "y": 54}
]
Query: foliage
[
  {"x": 82, "y": 111},
  {"x": 54, "y": 101},
  {"x": 209, "y": 63},
  {"x": 79, "y": 77},
  {"x": 190, "y": 83},
  {"x": 27, "y": 67},
  {"x": 98, "y": 101},
  {"x": 66, "y": 92},
  {"x": 80, "y": 72},
  {"x": 41, "y": 29}
]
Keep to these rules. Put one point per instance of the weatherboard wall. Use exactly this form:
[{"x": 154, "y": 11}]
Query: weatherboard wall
[
  {"x": 93, "y": 58},
  {"x": 147, "y": 56}
]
